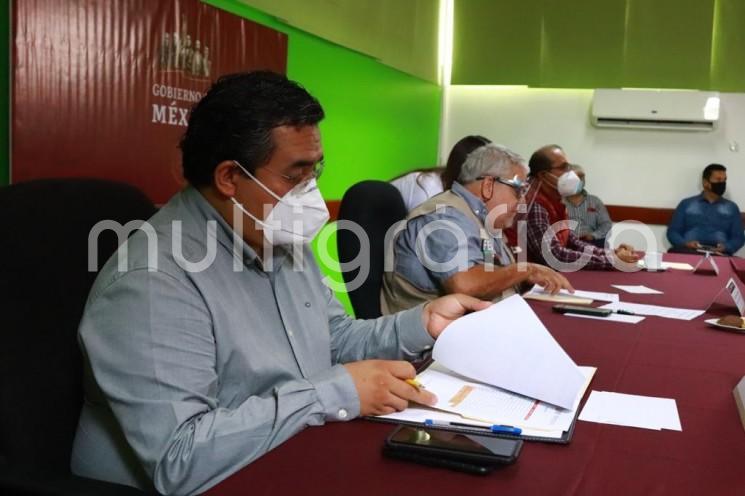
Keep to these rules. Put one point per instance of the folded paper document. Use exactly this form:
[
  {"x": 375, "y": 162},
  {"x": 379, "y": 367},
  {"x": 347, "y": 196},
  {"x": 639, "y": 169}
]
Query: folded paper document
[
  {"x": 707, "y": 265},
  {"x": 734, "y": 289}
]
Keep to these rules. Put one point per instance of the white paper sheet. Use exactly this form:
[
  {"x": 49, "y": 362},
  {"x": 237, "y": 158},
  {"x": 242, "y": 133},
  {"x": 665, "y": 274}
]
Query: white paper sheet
[
  {"x": 655, "y": 310},
  {"x": 508, "y": 346},
  {"x": 646, "y": 412},
  {"x": 637, "y": 289},
  {"x": 501, "y": 407},
  {"x": 587, "y": 295},
  {"x": 670, "y": 265},
  {"x": 614, "y": 317}
]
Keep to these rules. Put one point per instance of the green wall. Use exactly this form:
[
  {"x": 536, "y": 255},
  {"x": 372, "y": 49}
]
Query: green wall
[
  {"x": 379, "y": 122},
  {"x": 686, "y": 44},
  {"x": 400, "y": 34}
]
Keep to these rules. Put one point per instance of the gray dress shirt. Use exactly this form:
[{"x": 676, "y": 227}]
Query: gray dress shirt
[
  {"x": 591, "y": 216},
  {"x": 191, "y": 375}
]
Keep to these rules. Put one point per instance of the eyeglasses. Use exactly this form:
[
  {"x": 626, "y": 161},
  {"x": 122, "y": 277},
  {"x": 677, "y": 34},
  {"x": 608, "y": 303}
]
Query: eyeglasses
[
  {"x": 521, "y": 187},
  {"x": 563, "y": 167},
  {"x": 300, "y": 178}
]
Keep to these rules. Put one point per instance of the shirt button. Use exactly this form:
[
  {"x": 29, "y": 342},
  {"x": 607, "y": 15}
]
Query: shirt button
[
  {"x": 307, "y": 304},
  {"x": 342, "y": 414},
  {"x": 289, "y": 333}
]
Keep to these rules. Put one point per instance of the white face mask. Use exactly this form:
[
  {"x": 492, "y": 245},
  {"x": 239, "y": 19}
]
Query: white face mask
[
  {"x": 296, "y": 218},
  {"x": 569, "y": 184}
]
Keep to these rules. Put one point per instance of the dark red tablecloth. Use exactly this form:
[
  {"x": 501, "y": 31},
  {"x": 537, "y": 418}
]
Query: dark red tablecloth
[{"x": 689, "y": 361}]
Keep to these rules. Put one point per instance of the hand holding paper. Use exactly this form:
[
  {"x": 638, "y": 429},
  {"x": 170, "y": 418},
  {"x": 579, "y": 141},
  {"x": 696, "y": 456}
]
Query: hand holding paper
[{"x": 439, "y": 313}]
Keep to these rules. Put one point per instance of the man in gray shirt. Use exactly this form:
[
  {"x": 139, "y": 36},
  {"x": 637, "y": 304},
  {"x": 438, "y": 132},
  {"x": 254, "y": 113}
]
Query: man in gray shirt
[
  {"x": 215, "y": 339},
  {"x": 452, "y": 243},
  {"x": 593, "y": 221}
]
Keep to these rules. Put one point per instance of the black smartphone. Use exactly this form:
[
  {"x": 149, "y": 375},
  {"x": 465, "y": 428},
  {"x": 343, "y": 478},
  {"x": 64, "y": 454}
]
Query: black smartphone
[
  {"x": 582, "y": 310},
  {"x": 463, "y": 452}
]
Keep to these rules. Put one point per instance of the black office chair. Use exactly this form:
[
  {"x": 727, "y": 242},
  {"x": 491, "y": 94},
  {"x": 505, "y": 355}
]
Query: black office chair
[
  {"x": 44, "y": 283},
  {"x": 375, "y": 206}
]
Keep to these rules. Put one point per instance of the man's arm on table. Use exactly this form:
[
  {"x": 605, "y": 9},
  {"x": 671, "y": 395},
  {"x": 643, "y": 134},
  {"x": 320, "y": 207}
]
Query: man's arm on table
[
  {"x": 538, "y": 224},
  {"x": 488, "y": 284}
]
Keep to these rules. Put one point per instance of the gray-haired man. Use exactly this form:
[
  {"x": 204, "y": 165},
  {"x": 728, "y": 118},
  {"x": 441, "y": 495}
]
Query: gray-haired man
[{"x": 453, "y": 243}]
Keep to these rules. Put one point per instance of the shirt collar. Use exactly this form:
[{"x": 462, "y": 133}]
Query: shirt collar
[
  {"x": 203, "y": 212},
  {"x": 702, "y": 198},
  {"x": 570, "y": 204},
  {"x": 477, "y": 206}
]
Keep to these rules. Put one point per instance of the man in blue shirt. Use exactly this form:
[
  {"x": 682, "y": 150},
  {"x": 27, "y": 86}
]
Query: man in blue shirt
[{"x": 708, "y": 220}]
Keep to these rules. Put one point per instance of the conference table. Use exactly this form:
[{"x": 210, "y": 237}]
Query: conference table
[{"x": 690, "y": 361}]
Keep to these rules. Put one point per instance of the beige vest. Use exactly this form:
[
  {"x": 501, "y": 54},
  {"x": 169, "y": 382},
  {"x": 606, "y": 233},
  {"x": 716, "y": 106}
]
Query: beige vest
[{"x": 398, "y": 293}]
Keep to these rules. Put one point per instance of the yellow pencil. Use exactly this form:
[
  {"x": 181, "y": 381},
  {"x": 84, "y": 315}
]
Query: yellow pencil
[{"x": 413, "y": 382}]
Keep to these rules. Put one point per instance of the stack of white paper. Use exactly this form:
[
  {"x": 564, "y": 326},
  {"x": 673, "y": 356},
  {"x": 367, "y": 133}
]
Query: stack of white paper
[
  {"x": 564, "y": 296},
  {"x": 614, "y": 317},
  {"x": 655, "y": 310},
  {"x": 646, "y": 412}
]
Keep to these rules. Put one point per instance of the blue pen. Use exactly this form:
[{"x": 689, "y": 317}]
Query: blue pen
[
  {"x": 507, "y": 429},
  {"x": 500, "y": 429}
]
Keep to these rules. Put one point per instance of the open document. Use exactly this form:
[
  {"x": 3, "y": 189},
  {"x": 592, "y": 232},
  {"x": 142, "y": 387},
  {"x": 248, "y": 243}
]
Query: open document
[
  {"x": 508, "y": 346},
  {"x": 466, "y": 403}
]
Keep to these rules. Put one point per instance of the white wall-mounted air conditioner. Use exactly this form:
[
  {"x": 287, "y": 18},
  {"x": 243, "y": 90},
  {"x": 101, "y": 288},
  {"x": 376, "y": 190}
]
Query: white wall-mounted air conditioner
[{"x": 656, "y": 109}]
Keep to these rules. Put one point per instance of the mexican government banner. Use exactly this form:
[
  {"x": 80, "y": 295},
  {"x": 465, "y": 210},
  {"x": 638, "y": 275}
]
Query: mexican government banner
[{"x": 103, "y": 88}]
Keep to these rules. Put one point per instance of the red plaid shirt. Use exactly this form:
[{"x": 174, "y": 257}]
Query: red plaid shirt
[{"x": 564, "y": 245}]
